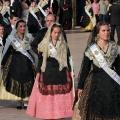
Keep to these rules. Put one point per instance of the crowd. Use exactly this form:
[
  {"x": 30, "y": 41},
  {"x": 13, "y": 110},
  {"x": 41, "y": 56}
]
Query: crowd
[{"x": 36, "y": 63}]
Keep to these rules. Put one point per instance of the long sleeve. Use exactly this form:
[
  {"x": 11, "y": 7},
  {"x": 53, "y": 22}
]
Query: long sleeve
[
  {"x": 91, "y": 11},
  {"x": 117, "y": 64},
  {"x": 85, "y": 69},
  {"x": 6, "y": 56},
  {"x": 38, "y": 38},
  {"x": 68, "y": 60},
  {"x": 40, "y": 60}
]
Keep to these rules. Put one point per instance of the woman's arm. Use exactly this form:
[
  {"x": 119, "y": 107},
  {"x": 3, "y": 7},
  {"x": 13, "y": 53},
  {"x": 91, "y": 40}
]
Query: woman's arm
[
  {"x": 40, "y": 60},
  {"x": 85, "y": 69}
]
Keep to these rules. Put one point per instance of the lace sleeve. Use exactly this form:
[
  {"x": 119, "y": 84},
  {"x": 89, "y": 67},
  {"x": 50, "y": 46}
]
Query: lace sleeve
[{"x": 84, "y": 71}]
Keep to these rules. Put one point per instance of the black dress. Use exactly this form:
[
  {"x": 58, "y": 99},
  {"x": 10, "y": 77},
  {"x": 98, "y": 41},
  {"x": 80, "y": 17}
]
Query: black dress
[
  {"x": 103, "y": 99},
  {"x": 53, "y": 78},
  {"x": 18, "y": 73}
]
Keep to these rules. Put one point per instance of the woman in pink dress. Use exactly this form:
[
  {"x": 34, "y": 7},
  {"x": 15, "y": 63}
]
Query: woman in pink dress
[
  {"x": 96, "y": 8},
  {"x": 52, "y": 97}
]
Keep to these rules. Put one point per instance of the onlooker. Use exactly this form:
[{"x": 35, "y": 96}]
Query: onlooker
[
  {"x": 114, "y": 12},
  {"x": 13, "y": 19},
  {"x": 53, "y": 6},
  {"x": 65, "y": 17},
  {"x": 103, "y": 9}
]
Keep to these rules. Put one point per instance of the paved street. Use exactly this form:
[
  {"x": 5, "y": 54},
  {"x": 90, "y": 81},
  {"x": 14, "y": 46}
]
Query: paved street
[{"x": 77, "y": 43}]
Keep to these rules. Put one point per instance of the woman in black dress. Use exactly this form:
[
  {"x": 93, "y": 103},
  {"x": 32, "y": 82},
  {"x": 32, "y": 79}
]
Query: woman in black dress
[
  {"x": 18, "y": 72},
  {"x": 99, "y": 86}
]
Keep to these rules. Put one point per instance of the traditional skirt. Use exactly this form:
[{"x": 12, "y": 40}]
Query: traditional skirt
[
  {"x": 85, "y": 112},
  {"x": 54, "y": 106},
  {"x": 18, "y": 78}
]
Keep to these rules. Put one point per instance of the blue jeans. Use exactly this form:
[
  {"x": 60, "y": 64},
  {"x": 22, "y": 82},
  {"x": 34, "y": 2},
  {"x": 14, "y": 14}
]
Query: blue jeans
[{"x": 102, "y": 17}]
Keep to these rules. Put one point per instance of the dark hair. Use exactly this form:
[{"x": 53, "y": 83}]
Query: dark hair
[
  {"x": 56, "y": 25},
  {"x": 98, "y": 25},
  {"x": 7, "y": 0},
  {"x": 95, "y": 31},
  {"x": 13, "y": 15},
  {"x": 1, "y": 25},
  {"x": 19, "y": 21}
]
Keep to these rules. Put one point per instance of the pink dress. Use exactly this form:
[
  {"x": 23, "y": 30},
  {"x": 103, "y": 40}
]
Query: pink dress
[{"x": 49, "y": 106}]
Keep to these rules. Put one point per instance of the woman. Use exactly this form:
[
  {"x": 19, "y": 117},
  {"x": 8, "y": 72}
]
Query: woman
[
  {"x": 51, "y": 96},
  {"x": 44, "y": 10},
  {"x": 88, "y": 20},
  {"x": 99, "y": 86},
  {"x": 25, "y": 10},
  {"x": 34, "y": 19},
  {"x": 96, "y": 8},
  {"x": 18, "y": 72}
]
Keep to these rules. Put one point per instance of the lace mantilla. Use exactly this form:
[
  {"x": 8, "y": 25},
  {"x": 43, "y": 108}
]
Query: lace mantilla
[{"x": 110, "y": 55}]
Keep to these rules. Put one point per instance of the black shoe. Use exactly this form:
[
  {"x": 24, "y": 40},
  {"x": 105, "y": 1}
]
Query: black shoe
[
  {"x": 25, "y": 107},
  {"x": 19, "y": 107}
]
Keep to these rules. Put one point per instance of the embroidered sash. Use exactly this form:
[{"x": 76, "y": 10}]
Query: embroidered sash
[
  {"x": 103, "y": 63},
  {"x": 22, "y": 49},
  {"x": 93, "y": 19},
  {"x": 52, "y": 49},
  {"x": 43, "y": 12},
  {"x": 34, "y": 15}
]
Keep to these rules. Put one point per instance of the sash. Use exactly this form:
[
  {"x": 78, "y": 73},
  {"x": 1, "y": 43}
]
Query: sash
[
  {"x": 31, "y": 11},
  {"x": 103, "y": 63},
  {"x": 45, "y": 2},
  {"x": 35, "y": 16},
  {"x": 43, "y": 12},
  {"x": 52, "y": 49},
  {"x": 51, "y": 2},
  {"x": 22, "y": 49},
  {"x": 92, "y": 18}
]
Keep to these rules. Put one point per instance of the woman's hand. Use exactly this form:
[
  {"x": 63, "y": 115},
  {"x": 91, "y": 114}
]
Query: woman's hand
[
  {"x": 79, "y": 93},
  {"x": 72, "y": 74}
]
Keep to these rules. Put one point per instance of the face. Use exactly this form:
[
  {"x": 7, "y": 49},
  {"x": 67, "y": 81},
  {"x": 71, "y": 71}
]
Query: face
[
  {"x": 95, "y": 1},
  {"x": 7, "y": 3},
  {"x": 13, "y": 21},
  {"x": 87, "y": 3},
  {"x": 21, "y": 28},
  {"x": 55, "y": 34},
  {"x": 104, "y": 32},
  {"x": 1, "y": 30},
  {"x": 33, "y": 4},
  {"x": 49, "y": 20}
]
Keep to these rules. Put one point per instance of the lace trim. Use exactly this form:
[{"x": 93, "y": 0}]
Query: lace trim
[
  {"x": 109, "y": 56},
  {"x": 55, "y": 89},
  {"x": 83, "y": 106},
  {"x": 16, "y": 88}
]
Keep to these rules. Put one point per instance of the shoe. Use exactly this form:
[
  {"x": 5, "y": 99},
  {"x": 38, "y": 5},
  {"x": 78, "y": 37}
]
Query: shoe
[
  {"x": 19, "y": 107},
  {"x": 25, "y": 106}
]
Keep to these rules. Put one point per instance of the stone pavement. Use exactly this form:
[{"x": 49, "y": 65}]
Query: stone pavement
[{"x": 77, "y": 42}]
